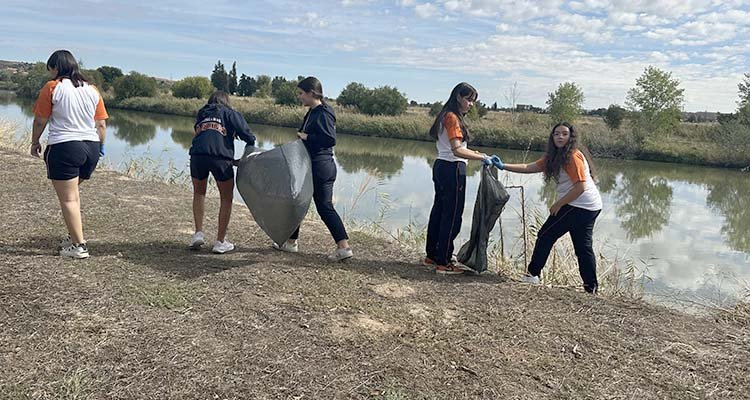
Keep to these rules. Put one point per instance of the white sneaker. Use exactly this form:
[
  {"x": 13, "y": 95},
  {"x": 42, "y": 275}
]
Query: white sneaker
[
  {"x": 341, "y": 254},
  {"x": 222, "y": 247},
  {"x": 534, "y": 280},
  {"x": 288, "y": 247},
  {"x": 197, "y": 241},
  {"x": 75, "y": 251},
  {"x": 66, "y": 242}
]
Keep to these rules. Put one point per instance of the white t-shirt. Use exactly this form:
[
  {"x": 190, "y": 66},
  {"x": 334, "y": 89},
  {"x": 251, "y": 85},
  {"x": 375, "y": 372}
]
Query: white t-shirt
[
  {"x": 577, "y": 170},
  {"x": 72, "y": 111},
  {"x": 450, "y": 128}
]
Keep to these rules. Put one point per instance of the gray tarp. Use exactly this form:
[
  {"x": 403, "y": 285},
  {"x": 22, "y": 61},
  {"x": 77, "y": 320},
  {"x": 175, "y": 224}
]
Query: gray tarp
[
  {"x": 491, "y": 199},
  {"x": 277, "y": 187}
]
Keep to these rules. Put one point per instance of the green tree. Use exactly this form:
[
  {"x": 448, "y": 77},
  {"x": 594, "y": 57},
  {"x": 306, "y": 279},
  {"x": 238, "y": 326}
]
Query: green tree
[
  {"x": 94, "y": 77},
  {"x": 352, "y": 95},
  {"x": 246, "y": 86},
  {"x": 286, "y": 93},
  {"x": 384, "y": 100},
  {"x": 262, "y": 86},
  {"x": 565, "y": 103},
  {"x": 477, "y": 111},
  {"x": 656, "y": 102},
  {"x": 29, "y": 84},
  {"x": 614, "y": 116},
  {"x": 219, "y": 77},
  {"x": 110, "y": 74},
  {"x": 193, "y": 87},
  {"x": 435, "y": 108},
  {"x": 276, "y": 84},
  {"x": 135, "y": 84},
  {"x": 744, "y": 89},
  {"x": 232, "y": 79}
]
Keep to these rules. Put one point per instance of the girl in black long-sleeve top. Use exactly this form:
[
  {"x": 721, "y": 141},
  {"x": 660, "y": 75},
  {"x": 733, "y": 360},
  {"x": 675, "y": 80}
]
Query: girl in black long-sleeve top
[
  {"x": 212, "y": 151},
  {"x": 318, "y": 132}
]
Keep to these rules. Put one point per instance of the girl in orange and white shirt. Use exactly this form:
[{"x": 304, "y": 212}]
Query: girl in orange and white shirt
[
  {"x": 576, "y": 209},
  {"x": 449, "y": 178},
  {"x": 75, "y": 112}
]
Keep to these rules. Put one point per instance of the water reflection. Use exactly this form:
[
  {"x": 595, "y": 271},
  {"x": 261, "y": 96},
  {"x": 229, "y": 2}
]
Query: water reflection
[
  {"x": 642, "y": 203},
  {"x": 732, "y": 199}
]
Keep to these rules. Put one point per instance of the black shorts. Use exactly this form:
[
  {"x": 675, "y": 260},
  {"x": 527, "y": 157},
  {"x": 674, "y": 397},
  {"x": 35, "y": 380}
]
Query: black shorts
[
  {"x": 74, "y": 159},
  {"x": 221, "y": 168}
]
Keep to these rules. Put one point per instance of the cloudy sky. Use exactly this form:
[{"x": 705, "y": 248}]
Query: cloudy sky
[{"x": 422, "y": 47}]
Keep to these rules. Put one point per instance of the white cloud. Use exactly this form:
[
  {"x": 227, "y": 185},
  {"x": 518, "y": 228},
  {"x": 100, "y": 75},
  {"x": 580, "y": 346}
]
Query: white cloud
[{"x": 425, "y": 10}]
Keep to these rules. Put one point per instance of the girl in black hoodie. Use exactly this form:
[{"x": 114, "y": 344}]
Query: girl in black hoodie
[
  {"x": 212, "y": 151},
  {"x": 318, "y": 133}
]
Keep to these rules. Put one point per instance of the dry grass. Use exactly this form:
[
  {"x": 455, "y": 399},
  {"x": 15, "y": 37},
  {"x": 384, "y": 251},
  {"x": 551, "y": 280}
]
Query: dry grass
[{"x": 146, "y": 318}]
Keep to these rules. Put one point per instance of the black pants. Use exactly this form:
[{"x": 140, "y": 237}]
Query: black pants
[
  {"x": 447, "y": 209},
  {"x": 580, "y": 224},
  {"x": 324, "y": 175}
]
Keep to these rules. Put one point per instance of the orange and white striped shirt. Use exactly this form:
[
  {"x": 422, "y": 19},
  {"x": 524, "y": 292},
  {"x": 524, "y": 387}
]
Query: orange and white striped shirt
[{"x": 71, "y": 111}]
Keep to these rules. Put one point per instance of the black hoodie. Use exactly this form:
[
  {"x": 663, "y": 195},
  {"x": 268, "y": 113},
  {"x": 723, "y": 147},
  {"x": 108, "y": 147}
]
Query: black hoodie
[
  {"x": 216, "y": 126},
  {"x": 320, "y": 126}
]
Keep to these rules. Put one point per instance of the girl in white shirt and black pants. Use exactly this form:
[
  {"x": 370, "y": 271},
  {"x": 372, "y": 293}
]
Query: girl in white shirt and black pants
[{"x": 576, "y": 209}]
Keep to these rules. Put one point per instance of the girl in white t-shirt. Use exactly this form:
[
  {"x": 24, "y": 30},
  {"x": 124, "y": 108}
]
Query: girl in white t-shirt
[
  {"x": 577, "y": 206},
  {"x": 73, "y": 110},
  {"x": 449, "y": 177}
]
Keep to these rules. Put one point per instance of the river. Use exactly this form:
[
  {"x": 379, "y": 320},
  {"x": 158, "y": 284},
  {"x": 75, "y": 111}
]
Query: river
[{"x": 686, "y": 228}]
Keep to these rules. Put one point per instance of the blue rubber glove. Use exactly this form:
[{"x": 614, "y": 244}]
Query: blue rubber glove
[
  {"x": 487, "y": 161},
  {"x": 497, "y": 162},
  {"x": 101, "y": 149}
]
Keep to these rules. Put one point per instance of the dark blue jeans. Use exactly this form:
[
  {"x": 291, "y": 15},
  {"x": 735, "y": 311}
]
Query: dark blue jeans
[
  {"x": 324, "y": 175},
  {"x": 580, "y": 224},
  {"x": 449, "y": 179}
]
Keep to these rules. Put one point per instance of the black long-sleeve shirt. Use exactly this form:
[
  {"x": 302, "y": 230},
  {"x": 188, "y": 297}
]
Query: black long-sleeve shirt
[
  {"x": 320, "y": 126},
  {"x": 216, "y": 126}
]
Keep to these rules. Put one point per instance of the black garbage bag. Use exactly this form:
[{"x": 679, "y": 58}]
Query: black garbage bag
[
  {"x": 491, "y": 199},
  {"x": 277, "y": 187}
]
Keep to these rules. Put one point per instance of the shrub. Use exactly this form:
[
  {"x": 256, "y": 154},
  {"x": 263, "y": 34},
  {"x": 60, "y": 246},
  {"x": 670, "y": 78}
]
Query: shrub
[
  {"x": 286, "y": 93},
  {"x": 192, "y": 87},
  {"x": 352, "y": 95},
  {"x": 29, "y": 84},
  {"x": 384, "y": 100},
  {"x": 435, "y": 108},
  {"x": 614, "y": 116},
  {"x": 110, "y": 75},
  {"x": 135, "y": 84}
]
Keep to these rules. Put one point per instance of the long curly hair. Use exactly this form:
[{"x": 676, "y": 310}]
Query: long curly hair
[{"x": 556, "y": 159}]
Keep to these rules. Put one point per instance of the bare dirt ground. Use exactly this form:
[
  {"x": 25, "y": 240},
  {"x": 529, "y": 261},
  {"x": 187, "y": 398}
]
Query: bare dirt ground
[{"x": 145, "y": 318}]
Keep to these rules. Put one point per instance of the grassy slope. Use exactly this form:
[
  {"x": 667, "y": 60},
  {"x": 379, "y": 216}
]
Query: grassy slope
[{"x": 145, "y": 318}]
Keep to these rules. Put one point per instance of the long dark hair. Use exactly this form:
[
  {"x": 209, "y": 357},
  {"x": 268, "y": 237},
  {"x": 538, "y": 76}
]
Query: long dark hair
[
  {"x": 219, "y": 97},
  {"x": 556, "y": 159},
  {"x": 463, "y": 89},
  {"x": 313, "y": 86},
  {"x": 67, "y": 67}
]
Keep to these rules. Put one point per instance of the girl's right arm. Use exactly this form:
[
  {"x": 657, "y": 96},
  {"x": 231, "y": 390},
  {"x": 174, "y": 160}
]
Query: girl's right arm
[{"x": 523, "y": 168}]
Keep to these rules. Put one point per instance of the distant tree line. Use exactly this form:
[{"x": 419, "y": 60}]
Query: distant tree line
[{"x": 653, "y": 106}]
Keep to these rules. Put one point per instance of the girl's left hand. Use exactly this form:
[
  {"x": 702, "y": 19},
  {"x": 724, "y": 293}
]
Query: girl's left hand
[
  {"x": 555, "y": 209},
  {"x": 302, "y": 135}
]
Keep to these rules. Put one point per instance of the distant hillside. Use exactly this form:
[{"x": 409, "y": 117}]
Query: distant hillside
[{"x": 15, "y": 66}]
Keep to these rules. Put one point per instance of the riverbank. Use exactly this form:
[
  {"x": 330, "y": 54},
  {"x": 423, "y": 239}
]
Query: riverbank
[
  {"x": 695, "y": 144},
  {"x": 146, "y": 318}
]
